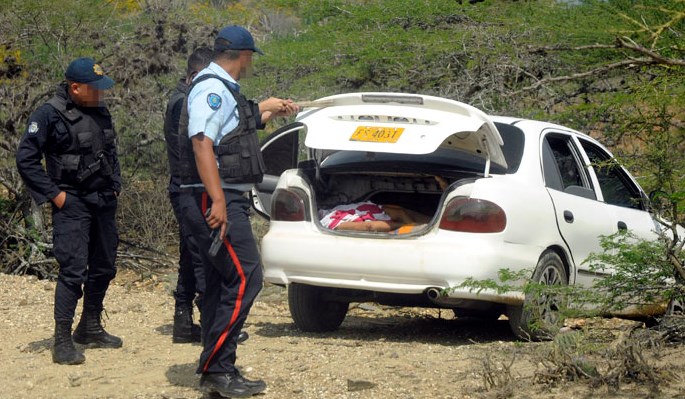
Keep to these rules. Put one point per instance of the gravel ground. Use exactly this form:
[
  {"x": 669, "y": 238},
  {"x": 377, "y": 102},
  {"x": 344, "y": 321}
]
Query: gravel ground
[{"x": 379, "y": 352}]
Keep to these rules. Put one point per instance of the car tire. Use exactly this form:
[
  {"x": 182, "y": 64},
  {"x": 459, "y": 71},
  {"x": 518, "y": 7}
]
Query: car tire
[
  {"x": 311, "y": 311},
  {"x": 539, "y": 318}
]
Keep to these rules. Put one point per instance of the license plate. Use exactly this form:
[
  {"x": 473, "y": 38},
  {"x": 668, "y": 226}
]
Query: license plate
[{"x": 377, "y": 134}]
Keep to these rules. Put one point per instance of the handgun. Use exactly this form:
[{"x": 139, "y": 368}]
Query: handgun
[{"x": 217, "y": 239}]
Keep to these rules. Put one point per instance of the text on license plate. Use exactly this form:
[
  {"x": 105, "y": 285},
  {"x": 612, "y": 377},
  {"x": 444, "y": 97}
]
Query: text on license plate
[{"x": 377, "y": 134}]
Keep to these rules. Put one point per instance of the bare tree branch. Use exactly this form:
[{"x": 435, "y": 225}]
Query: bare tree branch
[
  {"x": 652, "y": 58},
  {"x": 11, "y": 186},
  {"x": 597, "y": 71},
  {"x": 629, "y": 44},
  {"x": 595, "y": 46}
]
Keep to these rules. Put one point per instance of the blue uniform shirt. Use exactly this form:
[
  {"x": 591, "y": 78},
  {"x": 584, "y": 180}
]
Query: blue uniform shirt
[{"x": 213, "y": 111}]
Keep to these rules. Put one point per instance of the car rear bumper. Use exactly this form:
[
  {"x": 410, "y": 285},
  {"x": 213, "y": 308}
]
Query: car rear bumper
[{"x": 293, "y": 252}]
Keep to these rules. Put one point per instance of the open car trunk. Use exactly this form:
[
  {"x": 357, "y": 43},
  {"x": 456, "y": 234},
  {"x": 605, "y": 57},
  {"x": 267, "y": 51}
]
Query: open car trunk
[
  {"x": 417, "y": 197},
  {"x": 386, "y": 148}
]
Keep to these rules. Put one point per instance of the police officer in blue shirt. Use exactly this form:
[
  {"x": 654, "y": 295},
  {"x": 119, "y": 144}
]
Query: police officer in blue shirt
[
  {"x": 73, "y": 131},
  {"x": 221, "y": 161}
]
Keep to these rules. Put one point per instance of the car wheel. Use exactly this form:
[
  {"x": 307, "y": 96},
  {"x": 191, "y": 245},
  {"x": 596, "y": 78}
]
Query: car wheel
[
  {"x": 311, "y": 311},
  {"x": 539, "y": 317}
]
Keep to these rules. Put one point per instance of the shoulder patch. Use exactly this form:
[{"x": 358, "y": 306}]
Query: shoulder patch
[
  {"x": 33, "y": 128},
  {"x": 214, "y": 101}
]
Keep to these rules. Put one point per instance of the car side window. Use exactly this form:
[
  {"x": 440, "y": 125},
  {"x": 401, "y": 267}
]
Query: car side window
[
  {"x": 617, "y": 188},
  {"x": 550, "y": 168},
  {"x": 561, "y": 166}
]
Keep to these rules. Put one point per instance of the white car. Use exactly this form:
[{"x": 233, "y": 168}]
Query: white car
[{"x": 521, "y": 194}]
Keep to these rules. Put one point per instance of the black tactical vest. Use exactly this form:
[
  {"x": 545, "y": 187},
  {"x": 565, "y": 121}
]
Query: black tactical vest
[
  {"x": 239, "y": 154},
  {"x": 87, "y": 154},
  {"x": 171, "y": 135}
]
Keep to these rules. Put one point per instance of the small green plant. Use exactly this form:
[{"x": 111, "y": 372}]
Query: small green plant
[
  {"x": 545, "y": 307},
  {"x": 637, "y": 272},
  {"x": 507, "y": 281}
]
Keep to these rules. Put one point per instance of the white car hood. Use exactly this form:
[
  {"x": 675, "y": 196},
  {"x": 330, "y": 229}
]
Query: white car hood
[{"x": 400, "y": 123}]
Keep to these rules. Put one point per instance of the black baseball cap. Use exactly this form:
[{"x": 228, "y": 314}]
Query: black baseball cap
[
  {"x": 85, "y": 70},
  {"x": 235, "y": 38}
]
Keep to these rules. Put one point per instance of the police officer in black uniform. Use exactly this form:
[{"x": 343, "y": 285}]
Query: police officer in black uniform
[
  {"x": 220, "y": 162},
  {"x": 73, "y": 130},
  {"x": 190, "y": 283}
]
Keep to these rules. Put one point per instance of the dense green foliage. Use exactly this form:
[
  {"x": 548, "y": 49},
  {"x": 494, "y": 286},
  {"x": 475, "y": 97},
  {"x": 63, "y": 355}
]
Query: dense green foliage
[
  {"x": 639, "y": 273},
  {"x": 610, "y": 67}
]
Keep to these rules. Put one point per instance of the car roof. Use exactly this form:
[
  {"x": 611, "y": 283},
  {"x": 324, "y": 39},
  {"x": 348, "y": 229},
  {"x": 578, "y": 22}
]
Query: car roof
[{"x": 532, "y": 126}]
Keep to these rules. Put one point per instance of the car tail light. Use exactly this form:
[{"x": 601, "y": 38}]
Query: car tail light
[
  {"x": 289, "y": 205},
  {"x": 473, "y": 215}
]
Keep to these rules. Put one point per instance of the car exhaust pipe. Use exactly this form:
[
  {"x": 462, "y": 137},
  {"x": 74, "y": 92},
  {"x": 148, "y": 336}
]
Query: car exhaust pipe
[
  {"x": 437, "y": 296},
  {"x": 433, "y": 293}
]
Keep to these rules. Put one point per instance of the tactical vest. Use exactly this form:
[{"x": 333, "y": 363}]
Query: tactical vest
[
  {"x": 171, "y": 136},
  {"x": 238, "y": 152},
  {"x": 87, "y": 152}
]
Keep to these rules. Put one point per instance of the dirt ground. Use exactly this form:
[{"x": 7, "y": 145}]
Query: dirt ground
[{"x": 379, "y": 352}]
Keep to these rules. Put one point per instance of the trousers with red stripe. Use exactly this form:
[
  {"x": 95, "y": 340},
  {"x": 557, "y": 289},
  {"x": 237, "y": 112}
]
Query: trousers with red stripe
[{"x": 233, "y": 277}]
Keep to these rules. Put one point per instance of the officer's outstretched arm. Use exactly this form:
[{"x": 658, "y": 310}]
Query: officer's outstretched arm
[{"x": 273, "y": 107}]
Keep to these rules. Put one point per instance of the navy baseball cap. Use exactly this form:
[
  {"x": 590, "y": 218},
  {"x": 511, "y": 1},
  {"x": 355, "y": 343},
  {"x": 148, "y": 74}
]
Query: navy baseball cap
[
  {"x": 238, "y": 38},
  {"x": 85, "y": 70}
]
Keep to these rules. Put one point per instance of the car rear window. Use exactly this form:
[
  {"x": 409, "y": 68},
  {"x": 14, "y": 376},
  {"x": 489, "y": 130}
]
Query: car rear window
[{"x": 513, "y": 139}]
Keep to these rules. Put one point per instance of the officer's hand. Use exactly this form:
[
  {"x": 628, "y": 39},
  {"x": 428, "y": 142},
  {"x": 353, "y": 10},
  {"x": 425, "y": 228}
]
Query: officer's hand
[
  {"x": 272, "y": 104},
  {"x": 217, "y": 217},
  {"x": 278, "y": 106},
  {"x": 60, "y": 199},
  {"x": 290, "y": 108}
]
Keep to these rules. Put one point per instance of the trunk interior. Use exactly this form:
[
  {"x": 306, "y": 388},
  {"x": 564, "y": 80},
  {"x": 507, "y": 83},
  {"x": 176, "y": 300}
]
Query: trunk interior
[{"x": 418, "y": 193}]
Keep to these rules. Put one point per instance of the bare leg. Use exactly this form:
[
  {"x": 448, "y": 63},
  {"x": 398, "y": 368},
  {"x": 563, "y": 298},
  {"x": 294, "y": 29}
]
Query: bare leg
[
  {"x": 404, "y": 216},
  {"x": 376, "y": 225}
]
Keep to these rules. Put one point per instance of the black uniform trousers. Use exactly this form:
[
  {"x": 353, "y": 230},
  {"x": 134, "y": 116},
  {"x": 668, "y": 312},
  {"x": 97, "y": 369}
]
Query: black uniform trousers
[
  {"x": 233, "y": 278},
  {"x": 85, "y": 241},
  {"x": 191, "y": 273}
]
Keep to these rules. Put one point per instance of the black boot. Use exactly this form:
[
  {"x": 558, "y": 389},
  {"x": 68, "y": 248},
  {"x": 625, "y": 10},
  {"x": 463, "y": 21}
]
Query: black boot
[
  {"x": 63, "y": 350},
  {"x": 230, "y": 386},
  {"x": 184, "y": 329},
  {"x": 90, "y": 332}
]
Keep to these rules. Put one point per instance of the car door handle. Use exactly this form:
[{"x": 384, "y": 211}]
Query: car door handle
[
  {"x": 568, "y": 216},
  {"x": 622, "y": 226}
]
